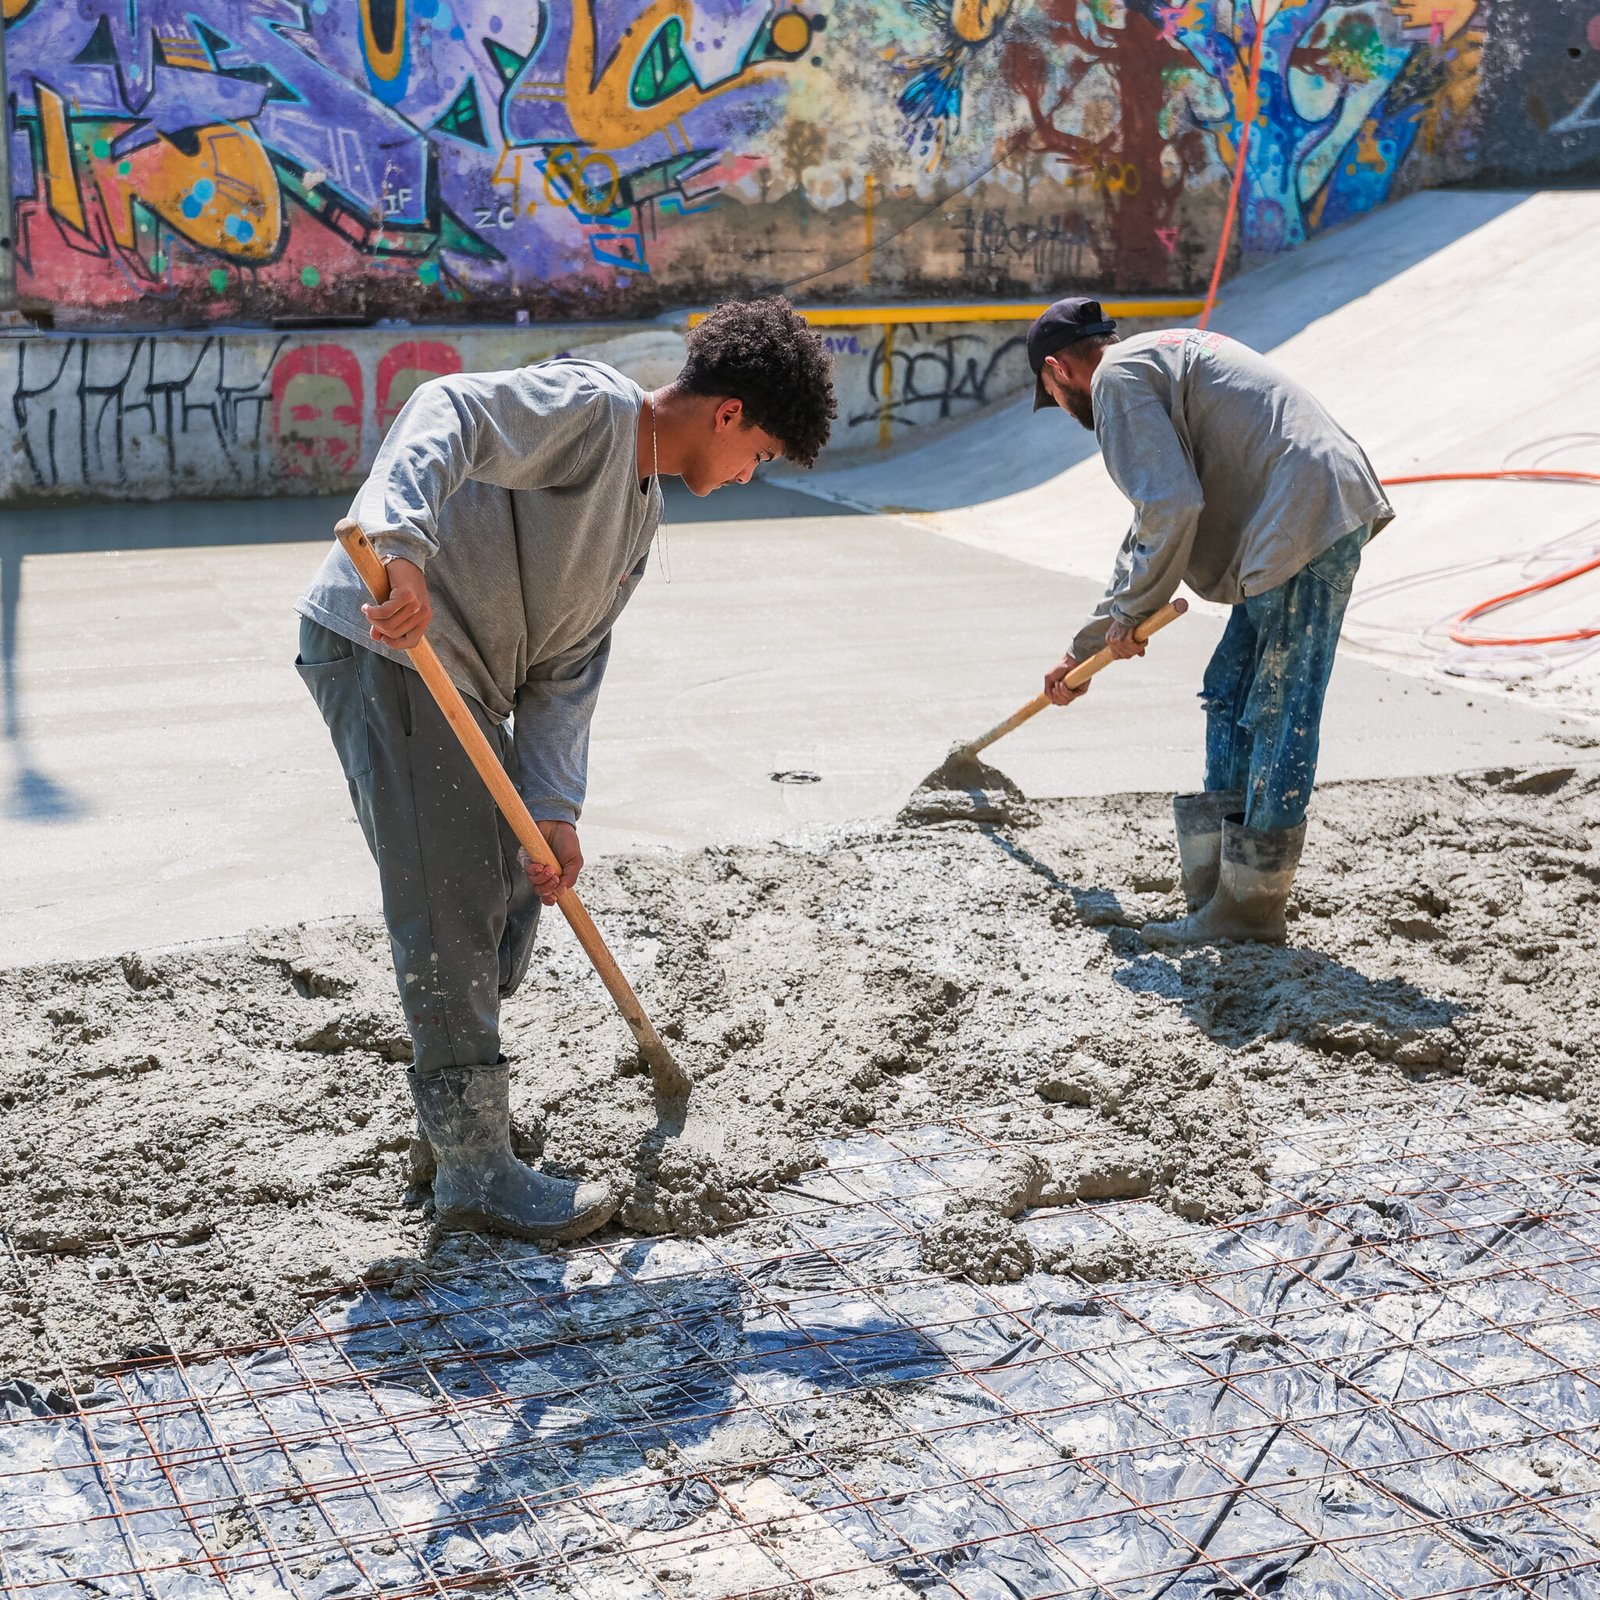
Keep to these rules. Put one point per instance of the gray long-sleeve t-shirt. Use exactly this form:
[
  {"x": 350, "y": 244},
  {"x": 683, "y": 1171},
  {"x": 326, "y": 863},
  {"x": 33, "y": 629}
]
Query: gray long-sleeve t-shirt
[
  {"x": 1237, "y": 474},
  {"x": 518, "y": 494}
]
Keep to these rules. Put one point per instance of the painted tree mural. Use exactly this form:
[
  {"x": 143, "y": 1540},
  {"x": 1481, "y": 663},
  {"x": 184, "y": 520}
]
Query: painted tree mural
[{"x": 1130, "y": 144}]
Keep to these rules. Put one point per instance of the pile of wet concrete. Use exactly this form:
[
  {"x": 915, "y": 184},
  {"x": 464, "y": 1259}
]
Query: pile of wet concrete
[{"x": 200, "y": 1142}]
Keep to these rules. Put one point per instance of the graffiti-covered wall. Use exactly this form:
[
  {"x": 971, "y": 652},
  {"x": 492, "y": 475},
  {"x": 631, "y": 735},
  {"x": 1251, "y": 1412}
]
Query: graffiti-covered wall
[
  {"x": 182, "y": 162},
  {"x": 250, "y": 412},
  {"x": 255, "y": 411}
]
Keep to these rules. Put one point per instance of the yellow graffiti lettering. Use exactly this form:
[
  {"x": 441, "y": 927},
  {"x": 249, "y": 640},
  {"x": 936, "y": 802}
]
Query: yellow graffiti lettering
[
  {"x": 1107, "y": 177},
  {"x": 598, "y": 103},
  {"x": 1120, "y": 177},
  {"x": 571, "y": 166},
  {"x": 224, "y": 197},
  {"x": 61, "y": 179},
  {"x": 515, "y": 180},
  {"x": 240, "y": 214},
  {"x": 383, "y": 38}
]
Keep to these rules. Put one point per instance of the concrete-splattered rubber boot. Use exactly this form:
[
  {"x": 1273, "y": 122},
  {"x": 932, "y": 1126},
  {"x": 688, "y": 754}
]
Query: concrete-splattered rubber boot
[
  {"x": 1252, "y": 894},
  {"x": 1198, "y": 821},
  {"x": 465, "y": 1113}
]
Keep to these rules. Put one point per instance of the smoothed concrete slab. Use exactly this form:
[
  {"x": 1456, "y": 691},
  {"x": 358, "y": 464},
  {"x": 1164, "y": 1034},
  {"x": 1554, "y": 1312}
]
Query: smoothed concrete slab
[{"x": 169, "y": 780}]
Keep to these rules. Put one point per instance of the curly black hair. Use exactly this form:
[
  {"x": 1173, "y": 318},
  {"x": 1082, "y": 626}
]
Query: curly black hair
[{"x": 761, "y": 353}]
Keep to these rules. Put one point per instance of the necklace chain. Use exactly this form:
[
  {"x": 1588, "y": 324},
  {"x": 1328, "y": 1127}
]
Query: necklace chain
[{"x": 663, "y": 560}]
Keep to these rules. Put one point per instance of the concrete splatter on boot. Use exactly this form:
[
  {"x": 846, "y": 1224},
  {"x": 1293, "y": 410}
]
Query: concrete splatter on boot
[
  {"x": 1252, "y": 893},
  {"x": 465, "y": 1114},
  {"x": 1198, "y": 821}
]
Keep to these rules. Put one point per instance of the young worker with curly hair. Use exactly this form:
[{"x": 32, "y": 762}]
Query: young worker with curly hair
[{"x": 514, "y": 511}]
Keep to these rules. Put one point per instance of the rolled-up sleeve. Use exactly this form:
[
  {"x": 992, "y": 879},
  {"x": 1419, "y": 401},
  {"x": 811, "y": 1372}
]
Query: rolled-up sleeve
[{"x": 1148, "y": 463}]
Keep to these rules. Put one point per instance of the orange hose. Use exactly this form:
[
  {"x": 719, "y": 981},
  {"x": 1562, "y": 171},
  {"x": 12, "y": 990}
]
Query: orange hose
[
  {"x": 1458, "y": 632},
  {"x": 1251, "y": 110},
  {"x": 1485, "y": 606},
  {"x": 1567, "y": 473}
]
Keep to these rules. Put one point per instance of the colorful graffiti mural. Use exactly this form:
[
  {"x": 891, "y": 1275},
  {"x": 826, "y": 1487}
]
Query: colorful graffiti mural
[
  {"x": 1146, "y": 106},
  {"x": 1345, "y": 94},
  {"x": 191, "y": 161},
  {"x": 399, "y": 153}
]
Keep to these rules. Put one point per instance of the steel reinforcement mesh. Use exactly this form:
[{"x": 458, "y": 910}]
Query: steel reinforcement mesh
[{"x": 1384, "y": 1383}]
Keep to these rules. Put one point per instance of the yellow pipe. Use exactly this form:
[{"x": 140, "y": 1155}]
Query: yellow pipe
[{"x": 1002, "y": 311}]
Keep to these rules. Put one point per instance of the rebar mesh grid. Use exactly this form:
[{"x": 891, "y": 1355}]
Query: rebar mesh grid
[{"x": 1386, "y": 1382}]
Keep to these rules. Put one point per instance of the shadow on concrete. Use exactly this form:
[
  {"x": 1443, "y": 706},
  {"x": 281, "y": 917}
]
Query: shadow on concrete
[
  {"x": 1271, "y": 303},
  {"x": 169, "y": 525},
  {"x": 195, "y": 524},
  {"x": 31, "y": 795},
  {"x": 1240, "y": 994},
  {"x": 596, "y": 1388}
]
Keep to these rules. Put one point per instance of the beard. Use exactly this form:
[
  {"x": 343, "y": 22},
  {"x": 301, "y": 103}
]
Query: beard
[{"x": 1081, "y": 404}]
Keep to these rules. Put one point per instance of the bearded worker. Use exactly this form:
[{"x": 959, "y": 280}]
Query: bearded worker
[
  {"x": 1245, "y": 489},
  {"x": 515, "y": 512}
]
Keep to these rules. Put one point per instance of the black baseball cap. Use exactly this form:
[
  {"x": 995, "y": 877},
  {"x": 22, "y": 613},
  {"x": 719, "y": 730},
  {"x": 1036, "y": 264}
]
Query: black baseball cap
[{"x": 1057, "y": 326}]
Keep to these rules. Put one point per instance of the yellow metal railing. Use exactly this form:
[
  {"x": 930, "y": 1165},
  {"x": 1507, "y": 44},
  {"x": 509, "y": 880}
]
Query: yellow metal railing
[{"x": 988, "y": 311}]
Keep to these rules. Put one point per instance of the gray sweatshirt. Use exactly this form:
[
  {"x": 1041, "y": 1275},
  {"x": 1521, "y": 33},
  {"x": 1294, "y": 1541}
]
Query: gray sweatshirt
[
  {"x": 1237, "y": 475},
  {"x": 518, "y": 494}
]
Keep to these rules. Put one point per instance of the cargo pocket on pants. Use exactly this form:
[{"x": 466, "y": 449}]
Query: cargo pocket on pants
[
  {"x": 1338, "y": 564},
  {"x": 337, "y": 689}
]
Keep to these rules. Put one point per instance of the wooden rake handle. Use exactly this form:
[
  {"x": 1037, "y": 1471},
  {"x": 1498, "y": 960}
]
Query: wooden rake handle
[
  {"x": 1075, "y": 679},
  {"x": 669, "y": 1078}
]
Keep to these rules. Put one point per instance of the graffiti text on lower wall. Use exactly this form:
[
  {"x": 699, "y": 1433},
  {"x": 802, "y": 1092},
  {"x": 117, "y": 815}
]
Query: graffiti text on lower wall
[{"x": 150, "y": 415}]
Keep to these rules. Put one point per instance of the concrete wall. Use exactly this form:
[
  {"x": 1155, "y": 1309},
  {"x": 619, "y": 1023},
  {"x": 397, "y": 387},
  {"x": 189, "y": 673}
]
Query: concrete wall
[
  {"x": 247, "y": 412},
  {"x": 193, "y": 162}
]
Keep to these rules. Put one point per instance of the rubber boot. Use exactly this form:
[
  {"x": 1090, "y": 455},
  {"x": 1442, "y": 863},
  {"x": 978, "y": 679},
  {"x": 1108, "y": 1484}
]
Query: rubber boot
[
  {"x": 1253, "y": 883},
  {"x": 465, "y": 1114},
  {"x": 1198, "y": 820}
]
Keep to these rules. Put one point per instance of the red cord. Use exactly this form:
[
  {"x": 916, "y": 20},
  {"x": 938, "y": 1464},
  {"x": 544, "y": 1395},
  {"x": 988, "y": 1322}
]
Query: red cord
[
  {"x": 1458, "y": 631},
  {"x": 1252, "y": 109}
]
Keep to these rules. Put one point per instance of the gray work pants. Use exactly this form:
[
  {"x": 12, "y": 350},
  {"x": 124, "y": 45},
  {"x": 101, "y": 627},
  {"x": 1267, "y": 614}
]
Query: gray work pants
[{"x": 460, "y": 910}]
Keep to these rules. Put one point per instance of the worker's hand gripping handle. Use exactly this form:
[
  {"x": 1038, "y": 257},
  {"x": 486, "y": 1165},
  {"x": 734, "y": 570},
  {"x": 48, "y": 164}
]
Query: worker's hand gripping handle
[
  {"x": 670, "y": 1079},
  {"x": 1102, "y": 659}
]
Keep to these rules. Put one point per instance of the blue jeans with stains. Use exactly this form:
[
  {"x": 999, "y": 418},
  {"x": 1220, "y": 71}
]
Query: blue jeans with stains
[{"x": 1265, "y": 685}]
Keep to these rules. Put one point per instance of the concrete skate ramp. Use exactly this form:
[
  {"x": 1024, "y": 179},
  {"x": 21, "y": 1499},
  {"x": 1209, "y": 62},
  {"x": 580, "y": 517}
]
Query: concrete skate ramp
[{"x": 1453, "y": 330}]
